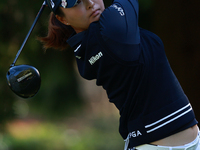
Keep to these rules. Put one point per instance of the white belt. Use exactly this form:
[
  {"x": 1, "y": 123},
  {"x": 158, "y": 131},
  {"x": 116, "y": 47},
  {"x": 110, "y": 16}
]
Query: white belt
[
  {"x": 152, "y": 147},
  {"x": 191, "y": 146}
]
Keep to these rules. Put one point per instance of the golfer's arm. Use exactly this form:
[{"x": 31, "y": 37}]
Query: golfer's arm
[{"x": 119, "y": 21}]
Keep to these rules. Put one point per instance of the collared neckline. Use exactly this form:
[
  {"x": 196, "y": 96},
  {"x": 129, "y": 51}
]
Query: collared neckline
[{"x": 75, "y": 39}]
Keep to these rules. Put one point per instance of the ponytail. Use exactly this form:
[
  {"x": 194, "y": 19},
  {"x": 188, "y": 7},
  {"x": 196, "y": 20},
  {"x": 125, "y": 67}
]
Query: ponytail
[{"x": 58, "y": 33}]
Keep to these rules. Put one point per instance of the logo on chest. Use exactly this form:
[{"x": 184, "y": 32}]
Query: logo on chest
[{"x": 93, "y": 59}]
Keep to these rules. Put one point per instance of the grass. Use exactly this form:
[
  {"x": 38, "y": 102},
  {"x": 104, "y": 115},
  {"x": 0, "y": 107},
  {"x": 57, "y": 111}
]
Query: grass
[{"x": 72, "y": 134}]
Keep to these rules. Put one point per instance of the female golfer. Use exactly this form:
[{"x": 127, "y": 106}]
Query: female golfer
[{"x": 130, "y": 64}]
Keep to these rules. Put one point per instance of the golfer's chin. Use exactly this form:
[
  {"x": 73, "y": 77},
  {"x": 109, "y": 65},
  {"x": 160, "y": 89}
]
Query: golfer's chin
[{"x": 96, "y": 18}]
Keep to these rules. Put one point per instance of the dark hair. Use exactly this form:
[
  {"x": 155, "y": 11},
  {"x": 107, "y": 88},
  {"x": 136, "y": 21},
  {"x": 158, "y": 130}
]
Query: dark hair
[{"x": 58, "y": 33}]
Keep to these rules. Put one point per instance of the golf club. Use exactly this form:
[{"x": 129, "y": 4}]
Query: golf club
[{"x": 24, "y": 80}]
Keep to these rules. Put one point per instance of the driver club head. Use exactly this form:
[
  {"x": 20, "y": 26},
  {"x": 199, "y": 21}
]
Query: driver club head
[{"x": 24, "y": 80}]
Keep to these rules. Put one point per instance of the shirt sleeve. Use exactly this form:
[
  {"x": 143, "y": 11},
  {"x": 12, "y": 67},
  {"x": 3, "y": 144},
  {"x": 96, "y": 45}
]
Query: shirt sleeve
[{"x": 119, "y": 22}]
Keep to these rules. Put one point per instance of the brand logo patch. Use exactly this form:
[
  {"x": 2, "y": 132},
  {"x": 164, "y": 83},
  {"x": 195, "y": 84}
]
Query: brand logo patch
[
  {"x": 24, "y": 77},
  {"x": 119, "y": 9},
  {"x": 64, "y": 3},
  {"x": 134, "y": 134},
  {"x": 93, "y": 59}
]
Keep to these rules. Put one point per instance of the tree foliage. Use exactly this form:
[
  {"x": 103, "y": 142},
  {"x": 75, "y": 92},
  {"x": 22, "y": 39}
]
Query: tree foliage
[
  {"x": 176, "y": 22},
  {"x": 58, "y": 93}
]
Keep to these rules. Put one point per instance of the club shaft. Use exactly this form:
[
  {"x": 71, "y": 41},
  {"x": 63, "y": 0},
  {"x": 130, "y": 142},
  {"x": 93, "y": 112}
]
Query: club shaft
[{"x": 29, "y": 33}]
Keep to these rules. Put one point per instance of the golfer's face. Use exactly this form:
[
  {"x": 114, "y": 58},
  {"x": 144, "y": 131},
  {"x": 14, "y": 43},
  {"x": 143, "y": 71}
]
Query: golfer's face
[{"x": 83, "y": 13}]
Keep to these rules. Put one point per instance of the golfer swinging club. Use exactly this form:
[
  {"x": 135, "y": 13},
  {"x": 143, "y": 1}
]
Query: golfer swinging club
[{"x": 130, "y": 64}]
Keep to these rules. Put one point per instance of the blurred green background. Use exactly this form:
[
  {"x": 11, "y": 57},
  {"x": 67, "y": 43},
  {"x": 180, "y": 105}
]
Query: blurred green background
[{"x": 70, "y": 113}]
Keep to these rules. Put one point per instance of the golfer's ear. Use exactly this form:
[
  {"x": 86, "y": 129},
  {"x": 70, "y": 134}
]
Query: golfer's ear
[{"x": 62, "y": 19}]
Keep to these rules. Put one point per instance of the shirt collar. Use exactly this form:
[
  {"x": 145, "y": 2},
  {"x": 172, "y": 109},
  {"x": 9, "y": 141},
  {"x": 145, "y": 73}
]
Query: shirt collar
[{"x": 75, "y": 39}]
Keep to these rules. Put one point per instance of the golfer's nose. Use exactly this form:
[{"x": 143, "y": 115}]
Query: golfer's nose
[{"x": 89, "y": 4}]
